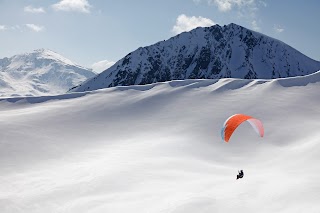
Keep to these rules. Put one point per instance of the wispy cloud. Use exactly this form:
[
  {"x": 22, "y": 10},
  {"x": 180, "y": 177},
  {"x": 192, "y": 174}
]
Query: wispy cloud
[
  {"x": 35, "y": 28},
  {"x": 263, "y": 3},
  {"x": 102, "y": 65},
  {"x": 16, "y": 27},
  {"x": 82, "y": 6},
  {"x": 255, "y": 26},
  {"x": 185, "y": 23},
  {"x": 3, "y": 27},
  {"x": 226, "y": 5},
  {"x": 245, "y": 9},
  {"x": 278, "y": 28},
  {"x": 31, "y": 9}
]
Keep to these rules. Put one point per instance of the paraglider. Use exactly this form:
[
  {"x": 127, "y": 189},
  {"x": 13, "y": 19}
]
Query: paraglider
[
  {"x": 240, "y": 175},
  {"x": 232, "y": 123}
]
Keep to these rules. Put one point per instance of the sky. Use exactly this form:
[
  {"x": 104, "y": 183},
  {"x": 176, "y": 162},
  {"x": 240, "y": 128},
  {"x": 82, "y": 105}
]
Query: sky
[{"x": 97, "y": 33}]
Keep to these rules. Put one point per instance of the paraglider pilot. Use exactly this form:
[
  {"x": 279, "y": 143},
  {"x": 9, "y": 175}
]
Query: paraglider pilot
[{"x": 240, "y": 175}]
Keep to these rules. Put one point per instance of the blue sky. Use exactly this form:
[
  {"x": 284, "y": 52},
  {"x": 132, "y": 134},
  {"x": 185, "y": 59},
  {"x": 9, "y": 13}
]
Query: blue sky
[{"x": 96, "y": 33}]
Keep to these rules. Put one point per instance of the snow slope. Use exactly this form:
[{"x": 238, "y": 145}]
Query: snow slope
[
  {"x": 157, "y": 149},
  {"x": 41, "y": 72}
]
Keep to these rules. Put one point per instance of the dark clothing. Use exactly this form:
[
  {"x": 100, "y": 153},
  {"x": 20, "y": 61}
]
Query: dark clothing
[{"x": 240, "y": 175}]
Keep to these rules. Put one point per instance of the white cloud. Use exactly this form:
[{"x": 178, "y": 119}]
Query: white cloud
[
  {"x": 3, "y": 27},
  {"x": 16, "y": 27},
  {"x": 185, "y": 23},
  {"x": 278, "y": 28},
  {"x": 35, "y": 28},
  {"x": 263, "y": 3},
  {"x": 10, "y": 28},
  {"x": 30, "y": 9},
  {"x": 73, "y": 5},
  {"x": 102, "y": 65},
  {"x": 226, "y": 5},
  {"x": 255, "y": 26},
  {"x": 246, "y": 9}
]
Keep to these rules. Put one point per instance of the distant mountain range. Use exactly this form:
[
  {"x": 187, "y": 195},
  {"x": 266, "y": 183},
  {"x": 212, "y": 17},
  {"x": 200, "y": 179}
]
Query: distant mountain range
[
  {"x": 229, "y": 51},
  {"x": 41, "y": 72}
]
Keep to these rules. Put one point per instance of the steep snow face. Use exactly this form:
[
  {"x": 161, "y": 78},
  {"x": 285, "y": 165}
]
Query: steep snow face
[
  {"x": 41, "y": 72},
  {"x": 157, "y": 149},
  {"x": 206, "y": 53}
]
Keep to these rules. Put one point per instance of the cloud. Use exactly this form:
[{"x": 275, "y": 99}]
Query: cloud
[
  {"x": 3, "y": 28},
  {"x": 82, "y": 6},
  {"x": 263, "y": 3},
  {"x": 16, "y": 27},
  {"x": 255, "y": 26},
  {"x": 226, "y": 5},
  {"x": 10, "y": 28},
  {"x": 35, "y": 28},
  {"x": 185, "y": 23},
  {"x": 102, "y": 65},
  {"x": 278, "y": 28},
  {"x": 30, "y": 9},
  {"x": 245, "y": 9}
]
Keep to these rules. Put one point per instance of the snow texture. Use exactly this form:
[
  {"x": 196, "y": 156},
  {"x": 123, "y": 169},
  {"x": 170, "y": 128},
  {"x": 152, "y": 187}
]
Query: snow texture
[{"x": 157, "y": 149}]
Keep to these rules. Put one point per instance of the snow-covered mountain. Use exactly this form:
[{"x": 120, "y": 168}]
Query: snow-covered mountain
[
  {"x": 157, "y": 148},
  {"x": 206, "y": 53},
  {"x": 41, "y": 72}
]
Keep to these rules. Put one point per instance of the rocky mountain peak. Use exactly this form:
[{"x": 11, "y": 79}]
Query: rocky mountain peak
[{"x": 229, "y": 51}]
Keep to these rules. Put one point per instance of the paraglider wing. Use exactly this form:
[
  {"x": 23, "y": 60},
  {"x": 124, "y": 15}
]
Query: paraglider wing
[{"x": 232, "y": 123}]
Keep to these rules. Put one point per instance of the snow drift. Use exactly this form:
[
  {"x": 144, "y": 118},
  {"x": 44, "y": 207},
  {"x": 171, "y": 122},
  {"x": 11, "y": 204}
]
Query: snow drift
[{"x": 157, "y": 148}]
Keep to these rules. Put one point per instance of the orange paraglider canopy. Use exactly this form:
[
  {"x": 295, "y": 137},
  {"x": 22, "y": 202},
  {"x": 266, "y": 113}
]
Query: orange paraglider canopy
[{"x": 232, "y": 123}]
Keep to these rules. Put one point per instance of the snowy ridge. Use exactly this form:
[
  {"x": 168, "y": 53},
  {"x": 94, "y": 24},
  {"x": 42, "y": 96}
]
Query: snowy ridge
[
  {"x": 219, "y": 84},
  {"x": 40, "y": 72},
  {"x": 213, "y": 52},
  {"x": 49, "y": 54}
]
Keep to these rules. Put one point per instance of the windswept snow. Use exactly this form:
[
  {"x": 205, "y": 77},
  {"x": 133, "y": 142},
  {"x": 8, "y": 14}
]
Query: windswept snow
[{"x": 157, "y": 148}]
